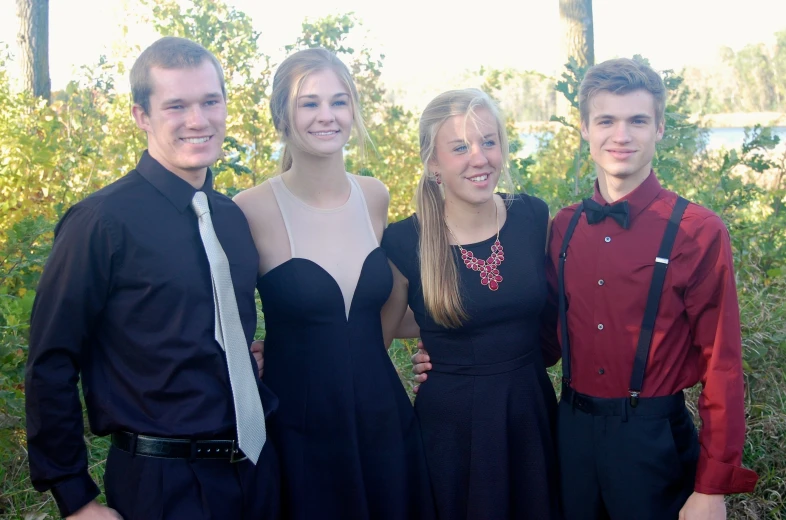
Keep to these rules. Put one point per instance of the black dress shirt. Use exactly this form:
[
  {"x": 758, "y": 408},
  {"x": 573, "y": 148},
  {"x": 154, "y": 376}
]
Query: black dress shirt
[{"x": 126, "y": 301}]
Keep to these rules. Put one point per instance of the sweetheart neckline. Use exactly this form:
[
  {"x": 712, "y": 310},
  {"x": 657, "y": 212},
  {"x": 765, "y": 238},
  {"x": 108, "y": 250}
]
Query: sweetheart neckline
[{"x": 348, "y": 313}]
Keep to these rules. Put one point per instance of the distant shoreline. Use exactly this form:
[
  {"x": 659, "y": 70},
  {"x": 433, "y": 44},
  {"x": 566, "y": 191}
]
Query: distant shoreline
[{"x": 727, "y": 120}]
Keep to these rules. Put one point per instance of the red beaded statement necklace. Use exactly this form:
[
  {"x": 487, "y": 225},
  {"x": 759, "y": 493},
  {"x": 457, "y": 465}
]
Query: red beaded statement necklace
[{"x": 488, "y": 268}]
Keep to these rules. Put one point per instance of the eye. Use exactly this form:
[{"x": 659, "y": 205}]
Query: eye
[
  {"x": 309, "y": 104},
  {"x": 174, "y": 107},
  {"x": 340, "y": 103},
  {"x": 604, "y": 122},
  {"x": 639, "y": 121},
  {"x": 460, "y": 148},
  {"x": 491, "y": 143},
  {"x": 212, "y": 103}
]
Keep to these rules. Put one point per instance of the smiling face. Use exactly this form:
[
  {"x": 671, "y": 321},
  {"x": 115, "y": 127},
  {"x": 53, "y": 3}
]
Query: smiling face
[
  {"x": 468, "y": 157},
  {"x": 622, "y": 131},
  {"x": 323, "y": 115},
  {"x": 186, "y": 121}
]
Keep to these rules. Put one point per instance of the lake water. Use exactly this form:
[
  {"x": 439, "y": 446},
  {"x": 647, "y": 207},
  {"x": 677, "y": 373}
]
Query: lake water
[
  {"x": 717, "y": 139},
  {"x": 733, "y": 137}
]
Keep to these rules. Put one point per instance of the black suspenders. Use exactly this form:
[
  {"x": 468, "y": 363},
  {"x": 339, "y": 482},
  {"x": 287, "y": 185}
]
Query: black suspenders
[{"x": 650, "y": 311}]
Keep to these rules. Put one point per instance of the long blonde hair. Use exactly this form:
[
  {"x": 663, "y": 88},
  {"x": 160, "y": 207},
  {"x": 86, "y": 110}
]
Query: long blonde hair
[
  {"x": 438, "y": 272},
  {"x": 288, "y": 80}
]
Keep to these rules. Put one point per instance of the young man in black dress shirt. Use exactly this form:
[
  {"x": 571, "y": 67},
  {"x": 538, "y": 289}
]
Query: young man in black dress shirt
[{"x": 126, "y": 303}]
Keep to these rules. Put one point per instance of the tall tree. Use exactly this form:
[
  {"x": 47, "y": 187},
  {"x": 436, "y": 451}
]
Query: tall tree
[
  {"x": 578, "y": 52},
  {"x": 578, "y": 37},
  {"x": 33, "y": 40}
]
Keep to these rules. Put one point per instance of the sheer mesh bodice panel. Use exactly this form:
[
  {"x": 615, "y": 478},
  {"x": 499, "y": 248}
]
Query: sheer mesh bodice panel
[{"x": 338, "y": 240}]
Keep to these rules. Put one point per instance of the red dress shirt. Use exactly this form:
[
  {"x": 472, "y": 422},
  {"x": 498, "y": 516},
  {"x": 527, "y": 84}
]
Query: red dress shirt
[{"x": 697, "y": 330}]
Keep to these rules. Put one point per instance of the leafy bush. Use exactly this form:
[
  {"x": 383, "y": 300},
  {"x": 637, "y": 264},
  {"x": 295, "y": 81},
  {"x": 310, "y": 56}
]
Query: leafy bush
[{"x": 53, "y": 155}]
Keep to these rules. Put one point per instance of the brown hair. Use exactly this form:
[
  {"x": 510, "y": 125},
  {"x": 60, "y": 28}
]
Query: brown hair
[
  {"x": 169, "y": 52},
  {"x": 438, "y": 272},
  {"x": 287, "y": 82},
  {"x": 620, "y": 76}
]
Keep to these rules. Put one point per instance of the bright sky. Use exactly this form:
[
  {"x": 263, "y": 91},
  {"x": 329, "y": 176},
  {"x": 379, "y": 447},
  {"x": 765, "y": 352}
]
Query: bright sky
[{"x": 429, "y": 43}]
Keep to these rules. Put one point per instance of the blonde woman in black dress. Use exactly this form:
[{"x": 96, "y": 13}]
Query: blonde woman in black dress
[{"x": 470, "y": 265}]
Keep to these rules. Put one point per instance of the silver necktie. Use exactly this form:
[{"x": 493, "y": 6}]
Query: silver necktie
[{"x": 249, "y": 416}]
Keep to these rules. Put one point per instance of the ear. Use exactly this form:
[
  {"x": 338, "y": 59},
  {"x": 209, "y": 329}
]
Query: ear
[
  {"x": 659, "y": 132},
  {"x": 584, "y": 131},
  {"x": 433, "y": 163},
  {"x": 141, "y": 118}
]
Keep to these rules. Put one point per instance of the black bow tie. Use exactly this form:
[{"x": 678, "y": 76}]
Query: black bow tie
[{"x": 597, "y": 213}]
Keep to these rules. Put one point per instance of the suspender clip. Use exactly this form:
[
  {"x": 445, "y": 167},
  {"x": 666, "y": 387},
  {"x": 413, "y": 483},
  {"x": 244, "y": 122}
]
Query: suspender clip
[{"x": 634, "y": 398}]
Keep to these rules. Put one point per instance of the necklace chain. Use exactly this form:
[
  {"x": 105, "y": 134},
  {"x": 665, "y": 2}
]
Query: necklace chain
[{"x": 488, "y": 268}]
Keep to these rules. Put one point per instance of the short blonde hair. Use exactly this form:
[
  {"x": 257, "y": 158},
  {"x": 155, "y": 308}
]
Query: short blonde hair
[
  {"x": 438, "y": 272},
  {"x": 287, "y": 83},
  {"x": 620, "y": 76}
]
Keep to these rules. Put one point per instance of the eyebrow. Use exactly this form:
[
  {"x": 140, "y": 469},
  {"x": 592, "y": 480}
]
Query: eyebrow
[
  {"x": 180, "y": 101},
  {"x": 609, "y": 116},
  {"x": 464, "y": 140},
  {"x": 314, "y": 96}
]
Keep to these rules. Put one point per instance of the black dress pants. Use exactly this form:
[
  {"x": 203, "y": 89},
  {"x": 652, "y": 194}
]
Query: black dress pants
[
  {"x": 148, "y": 488},
  {"x": 623, "y": 463}
]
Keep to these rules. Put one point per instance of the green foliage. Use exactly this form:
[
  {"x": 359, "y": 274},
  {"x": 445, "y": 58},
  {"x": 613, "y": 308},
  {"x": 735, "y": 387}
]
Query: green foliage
[
  {"x": 752, "y": 79},
  {"x": 52, "y": 156}
]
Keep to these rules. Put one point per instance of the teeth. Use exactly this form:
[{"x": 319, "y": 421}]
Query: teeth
[
  {"x": 479, "y": 178},
  {"x": 196, "y": 140},
  {"x": 325, "y": 133}
]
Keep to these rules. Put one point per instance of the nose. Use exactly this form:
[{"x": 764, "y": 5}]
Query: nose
[
  {"x": 477, "y": 156},
  {"x": 196, "y": 118},
  {"x": 621, "y": 132},
  {"x": 325, "y": 114}
]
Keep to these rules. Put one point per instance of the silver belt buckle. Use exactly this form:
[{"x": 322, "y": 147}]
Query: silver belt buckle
[{"x": 234, "y": 451}]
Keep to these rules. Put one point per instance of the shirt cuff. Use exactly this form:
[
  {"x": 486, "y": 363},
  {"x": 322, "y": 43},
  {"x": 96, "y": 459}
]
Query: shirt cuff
[
  {"x": 73, "y": 494},
  {"x": 719, "y": 478}
]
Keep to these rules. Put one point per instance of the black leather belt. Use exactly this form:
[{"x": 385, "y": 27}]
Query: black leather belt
[
  {"x": 664, "y": 406},
  {"x": 177, "y": 448}
]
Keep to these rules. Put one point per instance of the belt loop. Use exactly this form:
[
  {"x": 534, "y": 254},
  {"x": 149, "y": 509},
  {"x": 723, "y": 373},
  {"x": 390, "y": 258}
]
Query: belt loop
[
  {"x": 625, "y": 403},
  {"x": 132, "y": 446}
]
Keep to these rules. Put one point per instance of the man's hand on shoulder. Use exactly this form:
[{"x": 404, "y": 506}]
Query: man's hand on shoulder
[
  {"x": 704, "y": 507},
  {"x": 421, "y": 364},
  {"x": 258, "y": 350},
  {"x": 94, "y": 510}
]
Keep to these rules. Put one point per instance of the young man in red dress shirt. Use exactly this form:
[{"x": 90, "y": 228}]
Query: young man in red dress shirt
[{"x": 647, "y": 309}]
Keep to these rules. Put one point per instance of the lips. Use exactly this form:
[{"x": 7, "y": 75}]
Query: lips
[
  {"x": 325, "y": 133},
  {"x": 478, "y": 178},
  {"x": 196, "y": 140},
  {"x": 621, "y": 154}
]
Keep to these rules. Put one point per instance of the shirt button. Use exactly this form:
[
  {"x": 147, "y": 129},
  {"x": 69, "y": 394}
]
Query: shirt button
[
  {"x": 601, "y": 282},
  {"x": 601, "y": 371},
  {"x": 607, "y": 239},
  {"x": 600, "y": 326}
]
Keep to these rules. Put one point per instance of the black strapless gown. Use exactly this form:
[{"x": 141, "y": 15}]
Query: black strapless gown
[{"x": 346, "y": 433}]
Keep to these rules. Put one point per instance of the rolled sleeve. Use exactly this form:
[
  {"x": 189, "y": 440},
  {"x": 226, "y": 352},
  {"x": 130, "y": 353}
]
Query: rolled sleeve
[
  {"x": 74, "y": 493},
  {"x": 719, "y": 478},
  {"x": 713, "y": 311}
]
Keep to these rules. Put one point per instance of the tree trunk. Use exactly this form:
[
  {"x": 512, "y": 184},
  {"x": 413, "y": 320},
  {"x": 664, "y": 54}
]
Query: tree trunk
[
  {"x": 578, "y": 42},
  {"x": 33, "y": 41},
  {"x": 578, "y": 37}
]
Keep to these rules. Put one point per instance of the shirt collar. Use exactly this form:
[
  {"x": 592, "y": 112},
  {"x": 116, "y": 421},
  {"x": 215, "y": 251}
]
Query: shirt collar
[
  {"x": 639, "y": 198},
  {"x": 176, "y": 190}
]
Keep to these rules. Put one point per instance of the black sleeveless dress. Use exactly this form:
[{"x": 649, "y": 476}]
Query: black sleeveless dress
[
  {"x": 346, "y": 433},
  {"x": 488, "y": 410}
]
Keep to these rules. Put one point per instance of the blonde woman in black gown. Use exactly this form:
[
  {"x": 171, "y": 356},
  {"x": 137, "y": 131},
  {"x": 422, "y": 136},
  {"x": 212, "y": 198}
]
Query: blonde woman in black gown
[
  {"x": 345, "y": 430},
  {"x": 470, "y": 264}
]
